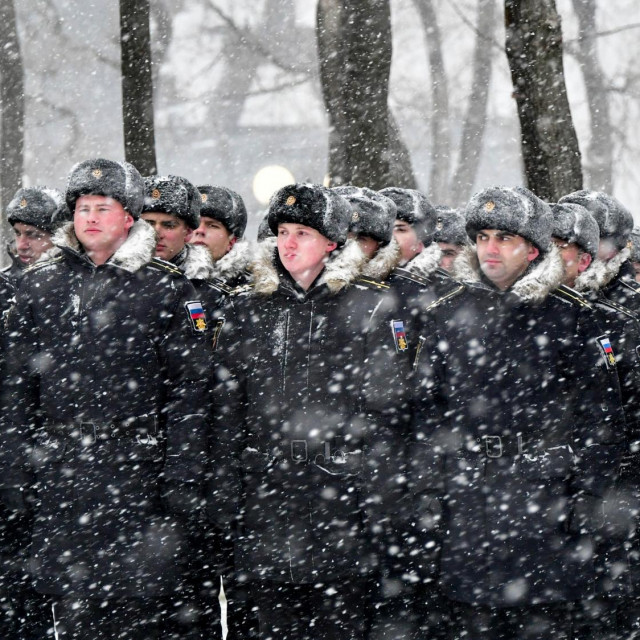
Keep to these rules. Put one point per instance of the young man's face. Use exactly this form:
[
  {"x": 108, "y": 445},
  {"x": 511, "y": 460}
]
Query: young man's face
[
  {"x": 449, "y": 254},
  {"x": 575, "y": 260},
  {"x": 503, "y": 256},
  {"x": 407, "y": 238},
  {"x": 215, "y": 236},
  {"x": 101, "y": 224},
  {"x": 31, "y": 242},
  {"x": 303, "y": 251},
  {"x": 172, "y": 233}
]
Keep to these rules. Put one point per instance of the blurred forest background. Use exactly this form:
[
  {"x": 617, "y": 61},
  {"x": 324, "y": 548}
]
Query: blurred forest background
[{"x": 238, "y": 86}]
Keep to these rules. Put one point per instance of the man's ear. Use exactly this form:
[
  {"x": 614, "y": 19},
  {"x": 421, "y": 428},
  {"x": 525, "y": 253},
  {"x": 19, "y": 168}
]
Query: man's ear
[
  {"x": 331, "y": 246},
  {"x": 189, "y": 234},
  {"x": 533, "y": 253},
  {"x": 583, "y": 262}
]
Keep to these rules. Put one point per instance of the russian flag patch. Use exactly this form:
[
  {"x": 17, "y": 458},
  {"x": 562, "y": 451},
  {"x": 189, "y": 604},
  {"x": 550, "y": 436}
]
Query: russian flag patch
[
  {"x": 399, "y": 335},
  {"x": 607, "y": 350},
  {"x": 195, "y": 311}
]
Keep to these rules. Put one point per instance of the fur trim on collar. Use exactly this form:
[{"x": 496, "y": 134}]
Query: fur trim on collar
[
  {"x": 198, "y": 264},
  {"x": 235, "y": 262},
  {"x": 534, "y": 286},
  {"x": 426, "y": 262},
  {"x": 136, "y": 251},
  {"x": 600, "y": 274},
  {"x": 384, "y": 262},
  {"x": 342, "y": 268}
]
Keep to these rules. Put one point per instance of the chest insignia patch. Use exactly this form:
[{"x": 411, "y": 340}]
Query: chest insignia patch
[
  {"x": 607, "y": 351},
  {"x": 399, "y": 335},
  {"x": 195, "y": 312}
]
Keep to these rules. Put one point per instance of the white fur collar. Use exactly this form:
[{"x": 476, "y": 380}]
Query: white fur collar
[
  {"x": 232, "y": 264},
  {"x": 426, "y": 262},
  {"x": 534, "y": 286},
  {"x": 198, "y": 264},
  {"x": 599, "y": 273},
  {"x": 384, "y": 262},
  {"x": 136, "y": 251},
  {"x": 342, "y": 268}
]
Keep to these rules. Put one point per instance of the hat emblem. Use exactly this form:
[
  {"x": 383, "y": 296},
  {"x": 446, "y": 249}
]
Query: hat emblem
[
  {"x": 439, "y": 225},
  {"x": 97, "y": 173},
  {"x": 290, "y": 200},
  {"x": 155, "y": 194},
  {"x": 23, "y": 203},
  {"x": 490, "y": 206},
  {"x": 355, "y": 216},
  {"x": 203, "y": 197}
]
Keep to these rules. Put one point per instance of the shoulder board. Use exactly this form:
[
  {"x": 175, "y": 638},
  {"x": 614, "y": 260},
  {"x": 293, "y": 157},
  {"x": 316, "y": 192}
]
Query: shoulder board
[
  {"x": 44, "y": 263},
  {"x": 569, "y": 294},
  {"x": 630, "y": 284},
  {"x": 376, "y": 284},
  {"x": 243, "y": 288},
  {"x": 610, "y": 304},
  {"x": 447, "y": 296},
  {"x": 409, "y": 275},
  {"x": 166, "y": 266}
]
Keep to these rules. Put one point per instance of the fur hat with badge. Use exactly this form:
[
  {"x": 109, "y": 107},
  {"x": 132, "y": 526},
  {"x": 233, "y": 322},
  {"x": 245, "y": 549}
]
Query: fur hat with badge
[
  {"x": 100, "y": 177},
  {"x": 373, "y": 214},
  {"x": 450, "y": 226},
  {"x": 614, "y": 219},
  {"x": 415, "y": 209},
  {"x": 513, "y": 209},
  {"x": 173, "y": 195},
  {"x": 226, "y": 206},
  {"x": 573, "y": 223},
  {"x": 314, "y": 206},
  {"x": 39, "y": 207}
]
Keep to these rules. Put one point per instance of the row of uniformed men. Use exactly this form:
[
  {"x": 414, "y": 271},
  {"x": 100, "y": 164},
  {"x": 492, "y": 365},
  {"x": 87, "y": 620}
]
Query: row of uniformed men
[{"x": 324, "y": 461}]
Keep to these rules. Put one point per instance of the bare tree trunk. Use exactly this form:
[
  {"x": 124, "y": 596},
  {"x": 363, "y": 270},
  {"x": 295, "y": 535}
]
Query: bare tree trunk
[
  {"x": 476, "y": 115},
  {"x": 549, "y": 142},
  {"x": 12, "y": 105},
  {"x": 599, "y": 160},
  {"x": 439, "y": 121},
  {"x": 354, "y": 51},
  {"x": 137, "y": 85}
]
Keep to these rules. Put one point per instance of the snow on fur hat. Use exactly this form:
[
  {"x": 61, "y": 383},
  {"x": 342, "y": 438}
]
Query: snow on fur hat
[
  {"x": 634, "y": 240},
  {"x": 415, "y": 209},
  {"x": 372, "y": 215},
  {"x": 574, "y": 223},
  {"x": 614, "y": 219},
  {"x": 40, "y": 207},
  {"x": 174, "y": 195},
  {"x": 314, "y": 206},
  {"x": 450, "y": 226},
  {"x": 226, "y": 206},
  {"x": 512, "y": 209},
  {"x": 99, "y": 177}
]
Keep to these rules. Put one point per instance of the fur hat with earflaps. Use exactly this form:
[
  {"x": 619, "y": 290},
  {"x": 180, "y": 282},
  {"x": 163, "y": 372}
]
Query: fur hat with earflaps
[
  {"x": 100, "y": 177},
  {"x": 174, "y": 195},
  {"x": 513, "y": 209},
  {"x": 40, "y": 207}
]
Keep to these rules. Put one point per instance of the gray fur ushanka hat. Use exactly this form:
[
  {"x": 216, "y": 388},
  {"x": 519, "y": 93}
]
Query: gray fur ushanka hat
[
  {"x": 614, "y": 219},
  {"x": 100, "y": 177},
  {"x": 513, "y": 209},
  {"x": 373, "y": 214},
  {"x": 224, "y": 205},
  {"x": 450, "y": 226},
  {"x": 415, "y": 209},
  {"x": 314, "y": 206},
  {"x": 40, "y": 207},
  {"x": 173, "y": 195},
  {"x": 573, "y": 223}
]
